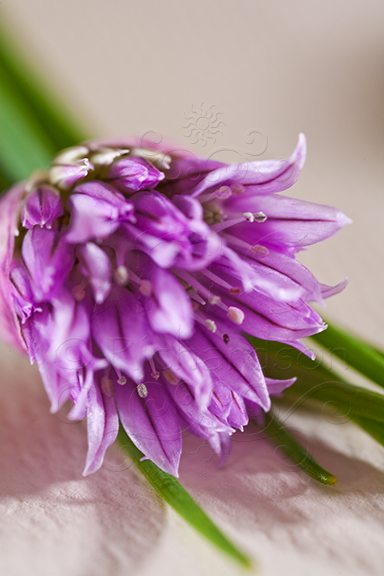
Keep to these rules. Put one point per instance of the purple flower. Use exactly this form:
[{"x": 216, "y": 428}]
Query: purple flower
[{"x": 129, "y": 272}]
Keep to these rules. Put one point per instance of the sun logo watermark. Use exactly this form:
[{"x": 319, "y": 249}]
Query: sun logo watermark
[{"x": 203, "y": 124}]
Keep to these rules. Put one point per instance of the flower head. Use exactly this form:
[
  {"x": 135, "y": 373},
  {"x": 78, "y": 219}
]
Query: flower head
[{"x": 129, "y": 272}]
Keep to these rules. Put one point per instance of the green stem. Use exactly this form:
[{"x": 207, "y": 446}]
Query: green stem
[
  {"x": 353, "y": 351},
  {"x": 176, "y": 496},
  {"x": 295, "y": 452}
]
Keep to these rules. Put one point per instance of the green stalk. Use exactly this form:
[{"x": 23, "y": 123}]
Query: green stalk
[
  {"x": 170, "y": 490},
  {"x": 59, "y": 126},
  {"x": 24, "y": 146},
  {"x": 295, "y": 452},
  {"x": 316, "y": 382},
  {"x": 354, "y": 351}
]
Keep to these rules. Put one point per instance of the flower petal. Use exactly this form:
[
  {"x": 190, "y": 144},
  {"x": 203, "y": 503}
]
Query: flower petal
[
  {"x": 97, "y": 211},
  {"x": 152, "y": 423},
  {"x": 41, "y": 207},
  {"x": 102, "y": 426},
  {"x": 9, "y": 213},
  {"x": 48, "y": 260},
  {"x": 95, "y": 266},
  {"x": 265, "y": 176},
  {"x": 120, "y": 329},
  {"x": 132, "y": 174}
]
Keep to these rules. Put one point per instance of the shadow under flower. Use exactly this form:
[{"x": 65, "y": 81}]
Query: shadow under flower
[{"x": 51, "y": 514}]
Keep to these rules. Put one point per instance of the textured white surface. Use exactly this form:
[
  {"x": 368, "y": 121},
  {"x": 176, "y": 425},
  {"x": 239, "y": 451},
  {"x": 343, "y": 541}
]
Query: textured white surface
[{"x": 280, "y": 68}]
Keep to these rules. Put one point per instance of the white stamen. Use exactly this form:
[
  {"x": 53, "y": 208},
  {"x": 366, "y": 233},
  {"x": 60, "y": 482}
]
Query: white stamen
[
  {"x": 171, "y": 377},
  {"x": 16, "y": 232},
  {"x": 215, "y": 300},
  {"x": 210, "y": 325},
  {"x": 249, "y": 216},
  {"x": 146, "y": 288},
  {"x": 235, "y": 315},
  {"x": 155, "y": 374},
  {"x": 142, "y": 390},
  {"x": 121, "y": 275},
  {"x": 106, "y": 385},
  {"x": 122, "y": 380},
  {"x": 259, "y": 217},
  {"x": 78, "y": 293},
  {"x": 238, "y": 188}
]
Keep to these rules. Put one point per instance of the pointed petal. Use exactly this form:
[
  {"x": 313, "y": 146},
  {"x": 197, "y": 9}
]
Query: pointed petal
[
  {"x": 95, "y": 266},
  {"x": 187, "y": 365},
  {"x": 97, "y": 211},
  {"x": 168, "y": 307},
  {"x": 290, "y": 222},
  {"x": 196, "y": 421},
  {"x": 235, "y": 364},
  {"x": 9, "y": 213},
  {"x": 132, "y": 174},
  {"x": 327, "y": 291},
  {"x": 41, "y": 207},
  {"x": 277, "y": 386},
  {"x": 102, "y": 427},
  {"x": 152, "y": 423},
  {"x": 48, "y": 260},
  {"x": 266, "y": 176},
  {"x": 120, "y": 329}
]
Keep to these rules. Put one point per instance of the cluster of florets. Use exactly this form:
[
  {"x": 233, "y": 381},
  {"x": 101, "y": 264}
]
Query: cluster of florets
[{"x": 127, "y": 274}]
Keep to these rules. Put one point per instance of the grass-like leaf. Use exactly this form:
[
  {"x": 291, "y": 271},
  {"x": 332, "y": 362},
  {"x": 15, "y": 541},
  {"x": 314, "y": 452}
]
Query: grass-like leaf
[
  {"x": 354, "y": 351},
  {"x": 24, "y": 146},
  {"x": 318, "y": 383},
  {"x": 280, "y": 436},
  {"x": 170, "y": 490},
  {"x": 372, "y": 427},
  {"x": 58, "y": 125}
]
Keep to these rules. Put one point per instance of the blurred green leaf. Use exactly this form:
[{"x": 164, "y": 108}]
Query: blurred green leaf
[
  {"x": 58, "y": 124},
  {"x": 24, "y": 146}
]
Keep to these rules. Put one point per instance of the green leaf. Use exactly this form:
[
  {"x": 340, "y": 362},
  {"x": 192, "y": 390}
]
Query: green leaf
[
  {"x": 354, "y": 351},
  {"x": 349, "y": 399},
  {"x": 5, "y": 182},
  {"x": 176, "y": 496},
  {"x": 24, "y": 147},
  {"x": 59, "y": 127},
  {"x": 375, "y": 429},
  {"x": 316, "y": 382},
  {"x": 295, "y": 452}
]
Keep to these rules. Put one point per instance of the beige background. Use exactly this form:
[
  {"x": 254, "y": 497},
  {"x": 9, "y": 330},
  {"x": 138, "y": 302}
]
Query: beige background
[{"x": 277, "y": 68}]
